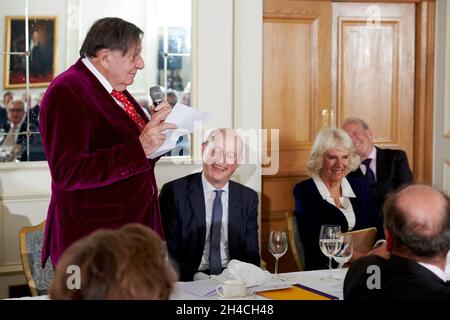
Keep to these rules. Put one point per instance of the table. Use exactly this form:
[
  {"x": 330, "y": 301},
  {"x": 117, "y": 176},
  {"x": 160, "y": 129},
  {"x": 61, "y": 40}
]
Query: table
[{"x": 311, "y": 279}]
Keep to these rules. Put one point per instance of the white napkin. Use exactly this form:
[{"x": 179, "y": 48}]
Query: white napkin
[{"x": 251, "y": 274}]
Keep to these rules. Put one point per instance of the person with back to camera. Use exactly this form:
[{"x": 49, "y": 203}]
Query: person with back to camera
[
  {"x": 417, "y": 228},
  {"x": 123, "y": 264},
  {"x": 97, "y": 138},
  {"x": 328, "y": 197},
  {"x": 14, "y": 140}
]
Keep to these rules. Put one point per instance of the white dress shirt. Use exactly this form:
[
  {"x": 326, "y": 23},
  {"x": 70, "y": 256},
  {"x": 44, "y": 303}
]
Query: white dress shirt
[
  {"x": 209, "y": 194},
  {"x": 373, "y": 163},
  {"x": 436, "y": 270},
  {"x": 347, "y": 193},
  {"x": 13, "y": 134},
  {"x": 105, "y": 83}
]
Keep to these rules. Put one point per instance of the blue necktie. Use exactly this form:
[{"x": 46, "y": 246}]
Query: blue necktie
[
  {"x": 369, "y": 173},
  {"x": 215, "y": 261}
]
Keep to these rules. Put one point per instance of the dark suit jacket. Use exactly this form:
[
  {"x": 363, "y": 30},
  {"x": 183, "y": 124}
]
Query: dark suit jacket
[
  {"x": 313, "y": 211},
  {"x": 101, "y": 177},
  {"x": 184, "y": 220},
  {"x": 35, "y": 151},
  {"x": 401, "y": 279},
  {"x": 3, "y": 116},
  {"x": 392, "y": 172},
  {"x": 22, "y": 131}
]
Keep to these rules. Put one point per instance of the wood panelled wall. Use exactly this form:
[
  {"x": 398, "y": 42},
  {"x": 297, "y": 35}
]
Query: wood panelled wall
[
  {"x": 325, "y": 61},
  {"x": 296, "y": 87}
]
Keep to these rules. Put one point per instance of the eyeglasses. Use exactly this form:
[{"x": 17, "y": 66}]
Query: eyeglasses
[{"x": 16, "y": 110}]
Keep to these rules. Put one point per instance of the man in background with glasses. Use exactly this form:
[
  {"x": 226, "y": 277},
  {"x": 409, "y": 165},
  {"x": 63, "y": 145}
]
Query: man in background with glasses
[{"x": 13, "y": 131}]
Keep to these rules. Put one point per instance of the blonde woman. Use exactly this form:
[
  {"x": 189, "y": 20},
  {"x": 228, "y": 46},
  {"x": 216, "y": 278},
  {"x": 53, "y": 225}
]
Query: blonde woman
[{"x": 328, "y": 197}]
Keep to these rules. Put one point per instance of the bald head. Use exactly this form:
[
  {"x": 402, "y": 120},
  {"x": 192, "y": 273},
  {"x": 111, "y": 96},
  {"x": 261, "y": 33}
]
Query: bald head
[
  {"x": 418, "y": 220},
  {"x": 424, "y": 209}
]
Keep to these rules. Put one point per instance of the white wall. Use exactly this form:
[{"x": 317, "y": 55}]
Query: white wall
[
  {"x": 24, "y": 198},
  {"x": 227, "y": 83},
  {"x": 441, "y": 145}
]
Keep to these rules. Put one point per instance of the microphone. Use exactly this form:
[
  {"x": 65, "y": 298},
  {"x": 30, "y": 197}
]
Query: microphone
[{"x": 157, "y": 94}]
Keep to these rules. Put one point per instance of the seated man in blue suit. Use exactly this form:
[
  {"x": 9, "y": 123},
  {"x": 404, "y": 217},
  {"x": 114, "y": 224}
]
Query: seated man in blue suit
[
  {"x": 384, "y": 170},
  {"x": 417, "y": 228},
  {"x": 209, "y": 220}
]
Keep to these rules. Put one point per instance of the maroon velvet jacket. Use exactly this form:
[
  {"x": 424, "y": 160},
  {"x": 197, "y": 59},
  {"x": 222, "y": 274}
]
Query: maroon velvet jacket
[{"x": 101, "y": 177}]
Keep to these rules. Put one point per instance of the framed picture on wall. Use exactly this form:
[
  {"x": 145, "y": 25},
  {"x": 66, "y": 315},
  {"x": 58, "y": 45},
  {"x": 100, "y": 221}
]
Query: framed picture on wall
[{"x": 42, "y": 51}]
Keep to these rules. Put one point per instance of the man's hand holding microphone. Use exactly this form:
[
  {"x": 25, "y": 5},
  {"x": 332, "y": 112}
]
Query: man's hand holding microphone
[{"x": 152, "y": 137}]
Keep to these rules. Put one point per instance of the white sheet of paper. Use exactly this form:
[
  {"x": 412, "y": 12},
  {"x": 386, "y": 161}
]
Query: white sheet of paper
[{"x": 184, "y": 117}]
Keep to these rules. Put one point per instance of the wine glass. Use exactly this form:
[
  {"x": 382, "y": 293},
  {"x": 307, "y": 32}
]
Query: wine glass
[
  {"x": 345, "y": 251},
  {"x": 278, "y": 245},
  {"x": 329, "y": 242}
]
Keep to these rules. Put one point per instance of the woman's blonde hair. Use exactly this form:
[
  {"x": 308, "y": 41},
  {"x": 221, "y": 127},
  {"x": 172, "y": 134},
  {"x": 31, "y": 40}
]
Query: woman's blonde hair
[{"x": 326, "y": 140}]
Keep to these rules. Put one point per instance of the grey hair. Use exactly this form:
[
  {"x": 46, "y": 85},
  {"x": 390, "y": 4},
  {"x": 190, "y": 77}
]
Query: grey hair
[
  {"x": 224, "y": 132},
  {"x": 12, "y": 103},
  {"x": 359, "y": 121},
  {"x": 326, "y": 140}
]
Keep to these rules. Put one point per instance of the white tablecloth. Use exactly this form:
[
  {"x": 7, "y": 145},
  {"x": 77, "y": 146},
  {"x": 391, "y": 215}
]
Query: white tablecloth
[{"x": 311, "y": 279}]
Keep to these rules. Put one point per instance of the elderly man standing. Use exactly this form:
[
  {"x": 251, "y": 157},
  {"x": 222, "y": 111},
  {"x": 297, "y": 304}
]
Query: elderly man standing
[
  {"x": 97, "y": 138},
  {"x": 384, "y": 170},
  {"x": 209, "y": 220},
  {"x": 417, "y": 228}
]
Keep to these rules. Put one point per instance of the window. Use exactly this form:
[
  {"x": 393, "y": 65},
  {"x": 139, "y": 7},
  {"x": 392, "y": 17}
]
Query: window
[
  {"x": 175, "y": 63},
  {"x": 59, "y": 28}
]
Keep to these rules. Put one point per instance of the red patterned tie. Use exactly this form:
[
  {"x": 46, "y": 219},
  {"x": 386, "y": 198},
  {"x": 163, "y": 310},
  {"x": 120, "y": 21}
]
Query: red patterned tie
[{"x": 129, "y": 109}]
